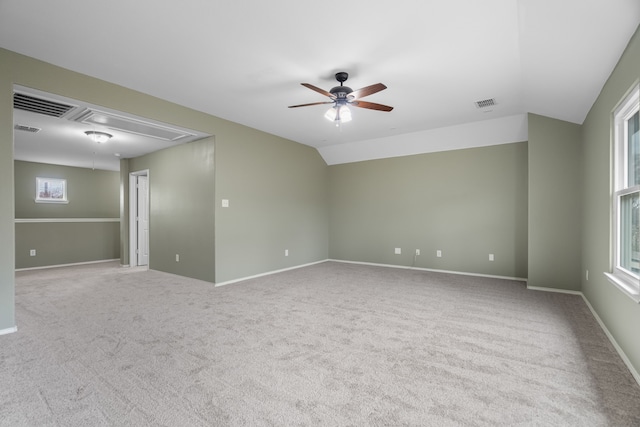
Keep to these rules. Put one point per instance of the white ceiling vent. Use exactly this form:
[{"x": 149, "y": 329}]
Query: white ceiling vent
[
  {"x": 39, "y": 105},
  {"x": 486, "y": 103},
  {"x": 27, "y": 128},
  {"x": 131, "y": 125}
]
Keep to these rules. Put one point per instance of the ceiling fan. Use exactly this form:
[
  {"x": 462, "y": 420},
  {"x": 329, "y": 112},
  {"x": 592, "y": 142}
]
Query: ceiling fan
[{"x": 343, "y": 96}]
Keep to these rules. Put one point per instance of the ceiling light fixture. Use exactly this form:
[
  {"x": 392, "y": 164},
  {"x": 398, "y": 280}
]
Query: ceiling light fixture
[
  {"x": 338, "y": 114},
  {"x": 98, "y": 137}
]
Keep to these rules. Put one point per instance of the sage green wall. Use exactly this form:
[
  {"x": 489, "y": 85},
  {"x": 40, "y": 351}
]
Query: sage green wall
[
  {"x": 181, "y": 208},
  {"x": 124, "y": 212},
  {"x": 467, "y": 203},
  {"x": 618, "y": 312},
  {"x": 91, "y": 193},
  {"x": 7, "y": 227},
  {"x": 66, "y": 243},
  {"x": 277, "y": 192},
  {"x": 555, "y": 190}
]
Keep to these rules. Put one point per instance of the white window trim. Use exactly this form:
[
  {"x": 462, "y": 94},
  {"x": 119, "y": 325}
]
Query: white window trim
[
  {"x": 61, "y": 181},
  {"x": 626, "y": 286},
  {"x": 627, "y": 282}
]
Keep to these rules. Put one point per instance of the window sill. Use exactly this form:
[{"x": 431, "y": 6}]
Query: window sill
[
  {"x": 61, "y": 202},
  {"x": 629, "y": 289}
]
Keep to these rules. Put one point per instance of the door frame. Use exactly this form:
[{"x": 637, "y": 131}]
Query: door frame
[{"x": 133, "y": 213}]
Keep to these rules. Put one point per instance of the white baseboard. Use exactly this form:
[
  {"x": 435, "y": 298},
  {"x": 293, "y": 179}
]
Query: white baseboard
[
  {"x": 613, "y": 341},
  {"x": 624, "y": 357},
  {"x": 405, "y": 267},
  {"x": 66, "y": 265},
  {"x": 268, "y": 273},
  {"x": 8, "y": 330},
  {"x": 558, "y": 291}
]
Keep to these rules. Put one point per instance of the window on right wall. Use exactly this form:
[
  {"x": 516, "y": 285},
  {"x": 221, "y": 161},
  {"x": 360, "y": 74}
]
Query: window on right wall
[{"x": 625, "y": 272}]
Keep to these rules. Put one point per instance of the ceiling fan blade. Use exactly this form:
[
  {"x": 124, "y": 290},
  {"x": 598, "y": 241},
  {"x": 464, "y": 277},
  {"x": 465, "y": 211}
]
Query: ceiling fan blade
[
  {"x": 317, "y": 89},
  {"x": 371, "y": 105},
  {"x": 313, "y": 103},
  {"x": 366, "y": 91}
]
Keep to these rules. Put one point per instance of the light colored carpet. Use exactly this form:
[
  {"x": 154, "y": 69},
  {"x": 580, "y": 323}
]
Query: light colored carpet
[{"x": 331, "y": 344}]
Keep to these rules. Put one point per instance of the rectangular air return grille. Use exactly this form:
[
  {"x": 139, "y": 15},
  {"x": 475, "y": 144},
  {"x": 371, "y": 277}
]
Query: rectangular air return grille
[
  {"x": 27, "y": 128},
  {"x": 131, "y": 125},
  {"x": 486, "y": 103},
  {"x": 40, "y": 105}
]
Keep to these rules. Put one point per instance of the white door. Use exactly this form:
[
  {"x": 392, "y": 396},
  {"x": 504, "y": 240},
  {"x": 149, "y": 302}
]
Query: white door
[{"x": 142, "y": 220}]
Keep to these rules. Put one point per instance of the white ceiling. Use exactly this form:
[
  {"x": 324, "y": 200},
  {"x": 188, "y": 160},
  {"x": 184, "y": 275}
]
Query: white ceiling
[{"x": 244, "y": 61}]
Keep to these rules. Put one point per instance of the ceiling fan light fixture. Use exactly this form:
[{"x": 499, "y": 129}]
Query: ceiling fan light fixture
[
  {"x": 344, "y": 114},
  {"x": 338, "y": 114},
  {"x": 98, "y": 137},
  {"x": 331, "y": 114}
]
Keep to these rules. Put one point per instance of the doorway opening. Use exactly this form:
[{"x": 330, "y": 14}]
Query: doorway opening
[{"x": 139, "y": 218}]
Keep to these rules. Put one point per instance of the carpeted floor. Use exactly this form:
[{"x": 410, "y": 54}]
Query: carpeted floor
[{"x": 331, "y": 344}]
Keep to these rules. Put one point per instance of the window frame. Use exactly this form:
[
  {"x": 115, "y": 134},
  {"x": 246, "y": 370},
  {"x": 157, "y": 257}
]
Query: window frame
[
  {"x": 58, "y": 182},
  {"x": 626, "y": 281}
]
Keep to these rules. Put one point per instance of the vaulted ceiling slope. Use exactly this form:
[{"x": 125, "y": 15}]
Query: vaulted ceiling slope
[{"x": 244, "y": 61}]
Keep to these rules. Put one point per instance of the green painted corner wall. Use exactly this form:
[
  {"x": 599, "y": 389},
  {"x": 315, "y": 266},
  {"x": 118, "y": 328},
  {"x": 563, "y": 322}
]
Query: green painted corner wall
[
  {"x": 466, "y": 203},
  {"x": 555, "y": 197},
  {"x": 277, "y": 193},
  {"x": 181, "y": 208},
  {"x": 619, "y": 313}
]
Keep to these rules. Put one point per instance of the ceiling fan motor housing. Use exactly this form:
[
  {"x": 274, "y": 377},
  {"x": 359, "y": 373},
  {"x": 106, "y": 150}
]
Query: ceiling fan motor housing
[{"x": 341, "y": 92}]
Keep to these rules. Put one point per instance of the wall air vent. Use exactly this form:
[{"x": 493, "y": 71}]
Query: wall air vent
[
  {"x": 131, "y": 125},
  {"x": 486, "y": 103},
  {"x": 40, "y": 105},
  {"x": 27, "y": 128}
]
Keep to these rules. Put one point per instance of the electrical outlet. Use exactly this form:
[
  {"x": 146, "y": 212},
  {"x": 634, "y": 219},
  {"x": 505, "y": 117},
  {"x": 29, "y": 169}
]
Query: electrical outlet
[
  {"x": 177, "y": 257},
  {"x": 417, "y": 251},
  {"x": 490, "y": 257},
  {"x": 398, "y": 251},
  {"x": 225, "y": 203},
  {"x": 286, "y": 252},
  {"x": 439, "y": 253},
  {"x": 32, "y": 252}
]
